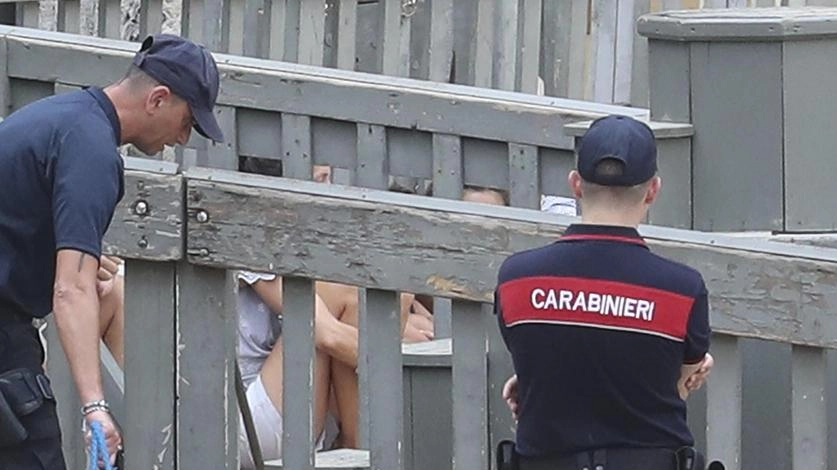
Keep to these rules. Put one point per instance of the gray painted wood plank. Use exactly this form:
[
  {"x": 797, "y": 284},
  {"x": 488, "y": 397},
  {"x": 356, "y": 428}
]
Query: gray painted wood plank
[
  {"x": 639, "y": 69},
  {"x": 298, "y": 348},
  {"x": 578, "y": 81},
  {"x": 524, "y": 182},
  {"x": 441, "y": 40},
  {"x": 604, "y": 43},
  {"x": 148, "y": 221},
  {"x": 380, "y": 363},
  {"x": 431, "y": 425},
  {"x": 470, "y": 402},
  {"x": 5, "y": 86},
  {"x": 277, "y": 19},
  {"x": 150, "y": 364},
  {"x": 623, "y": 59},
  {"x": 255, "y": 38},
  {"x": 669, "y": 81},
  {"x": 346, "y": 33},
  {"x": 389, "y": 53},
  {"x": 292, "y": 28},
  {"x": 809, "y": 416},
  {"x": 372, "y": 167},
  {"x": 674, "y": 166},
  {"x": 482, "y": 61},
  {"x": 311, "y": 32},
  {"x": 505, "y": 49},
  {"x": 442, "y": 317},
  {"x": 501, "y": 423},
  {"x": 213, "y": 15},
  {"x": 363, "y": 236},
  {"x": 296, "y": 146},
  {"x": 225, "y": 154},
  {"x": 529, "y": 45},
  {"x": 447, "y": 166},
  {"x": 207, "y": 413},
  {"x": 433, "y": 353},
  {"x": 340, "y": 459},
  {"x": 723, "y": 423},
  {"x": 555, "y": 47}
]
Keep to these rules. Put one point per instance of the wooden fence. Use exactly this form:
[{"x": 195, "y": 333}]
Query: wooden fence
[{"x": 586, "y": 49}]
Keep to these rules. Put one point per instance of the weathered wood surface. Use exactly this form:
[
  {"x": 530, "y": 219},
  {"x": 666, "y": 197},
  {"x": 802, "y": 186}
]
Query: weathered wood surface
[
  {"x": 334, "y": 94},
  {"x": 447, "y": 248},
  {"x": 148, "y": 222},
  {"x": 340, "y": 459}
]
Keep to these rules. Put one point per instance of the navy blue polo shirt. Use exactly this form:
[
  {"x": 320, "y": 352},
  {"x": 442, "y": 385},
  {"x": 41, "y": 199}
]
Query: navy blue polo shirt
[
  {"x": 60, "y": 176},
  {"x": 598, "y": 328}
]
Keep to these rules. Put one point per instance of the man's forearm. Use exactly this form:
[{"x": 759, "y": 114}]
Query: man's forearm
[{"x": 77, "y": 316}]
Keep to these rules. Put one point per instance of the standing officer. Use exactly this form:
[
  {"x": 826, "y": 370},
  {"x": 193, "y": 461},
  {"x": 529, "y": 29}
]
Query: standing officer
[
  {"x": 62, "y": 176},
  {"x": 606, "y": 337}
]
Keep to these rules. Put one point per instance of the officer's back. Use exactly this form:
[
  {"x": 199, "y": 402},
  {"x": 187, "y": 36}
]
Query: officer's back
[{"x": 598, "y": 326}]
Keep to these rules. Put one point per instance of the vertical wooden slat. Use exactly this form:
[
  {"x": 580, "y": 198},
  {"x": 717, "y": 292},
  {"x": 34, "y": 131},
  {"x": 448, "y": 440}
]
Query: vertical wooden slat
[
  {"x": 89, "y": 17},
  {"x": 469, "y": 387},
  {"x": 5, "y": 85},
  {"x": 723, "y": 423},
  {"x": 346, "y": 34},
  {"x": 447, "y": 166},
  {"x": 380, "y": 363},
  {"x": 207, "y": 415},
  {"x": 578, "y": 25},
  {"x": 624, "y": 52},
  {"x": 372, "y": 169},
  {"x": 501, "y": 422},
  {"x": 311, "y": 32},
  {"x": 296, "y": 146},
  {"x": 405, "y": 26},
  {"x": 441, "y": 40},
  {"x": 185, "y": 18},
  {"x": 524, "y": 178},
  {"x": 389, "y": 60},
  {"x": 483, "y": 42},
  {"x": 150, "y": 364},
  {"x": 276, "y": 39},
  {"x": 144, "y": 19},
  {"x": 529, "y": 45},
  {"x": 111, "y": 13},
  {"x": 555, "y": 47},
  {"x": 298, "y": 357},
  {"x": 605, "y": 33},
  {"x": 639, "y": 67},
  {"x": 809, "y": 416},
  {"x": 290, "y": 11},
  {"x": 255, "y": 33},
  {"x": 213, "y": 15},
  {"x": 505, "y": 44},
  {"x": 225, "y": 154}
]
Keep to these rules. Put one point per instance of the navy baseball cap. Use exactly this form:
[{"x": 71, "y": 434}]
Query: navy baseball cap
[
  {"x": 189, "y": 71},
  {"x": 622, "y": 138}
]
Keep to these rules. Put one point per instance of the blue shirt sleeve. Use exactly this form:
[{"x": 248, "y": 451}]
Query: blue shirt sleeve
[
  {"x": 698, "y": 330},
  {"x": 87, "y": 185}
]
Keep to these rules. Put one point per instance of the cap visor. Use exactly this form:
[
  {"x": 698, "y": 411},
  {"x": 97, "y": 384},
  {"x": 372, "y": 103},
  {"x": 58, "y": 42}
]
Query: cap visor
[{"x": 207, "y": 126}]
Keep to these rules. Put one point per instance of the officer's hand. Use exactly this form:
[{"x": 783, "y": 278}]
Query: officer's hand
[
  {"x": 510, "y": 395},
  {"x": 696, "y": 380},
  {"x": 113, "y": 436},
  {"x": 108, "y": 268}
]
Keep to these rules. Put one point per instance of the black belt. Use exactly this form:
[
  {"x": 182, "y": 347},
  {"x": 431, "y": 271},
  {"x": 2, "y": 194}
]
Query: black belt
[{"x": 685, "y": 458}]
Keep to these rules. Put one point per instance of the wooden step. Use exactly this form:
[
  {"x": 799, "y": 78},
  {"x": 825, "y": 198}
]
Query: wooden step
[{"x": 340, "y": 459}]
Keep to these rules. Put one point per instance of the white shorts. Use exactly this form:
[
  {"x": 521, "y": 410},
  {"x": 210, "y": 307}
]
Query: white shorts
[{"x": 269, "y": 425}]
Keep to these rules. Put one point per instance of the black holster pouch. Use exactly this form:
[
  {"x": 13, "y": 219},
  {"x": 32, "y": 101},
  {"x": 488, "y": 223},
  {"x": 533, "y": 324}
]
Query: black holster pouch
[
  {"x": 21, "y": 393},
  {"x": 507, "y": 456},
  {"x": 688, "y": 458}
]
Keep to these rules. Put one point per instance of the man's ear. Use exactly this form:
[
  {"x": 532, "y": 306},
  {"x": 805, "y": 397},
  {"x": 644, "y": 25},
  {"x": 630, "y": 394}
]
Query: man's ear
[
  {"x": 574, "y": 179},
  {"x": 156, "y": 98},
  {"x": 653, "y": 190}
]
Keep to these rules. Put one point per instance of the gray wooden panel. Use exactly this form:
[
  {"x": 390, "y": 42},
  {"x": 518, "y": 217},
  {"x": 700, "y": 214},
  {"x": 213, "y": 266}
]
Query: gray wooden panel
[
  {"x": 5, "y": 86},
  {"x": 417, "y": 58},
  {"x": 151, "y": 12},
  {"x": 255, "y": 25},
  {"x": 431, "y": 421},
  {"x": 464, "y": 29},
  {"x": 554, "y": 167},
  {"x": 339, "y": 459},
  {"x": 723, "y": 423},
  {"x": 276, "y": 19},
  {"x": 207, "y": 414},
  {"x": 66, "y": 397},
  {"x": 389, "y": 22},
  {"x": 485, "y": 163},
  {"x": 674, "y": 206},
  {"x": 524, "y": 181},
  {"x": 311, "y": 32},
  {"x": 809, "y": 141},
  {"x": 409, "y": 457},
  {"x": 213, "y": 16},
  {"x": 224, "y": 154},
  {"x": 434, "y": 353},
  {"x": 150, "y": 395},
  {"x": 669, "y": 81},
  {"x": 367, "y": 37},
  {"x": 442, "y": 321},
  {"x": 501, "y": 423},
  {"x": 296, "y": 146},
  {"x": 23, "y": 92},
  {"x": 505, "y": 49},
  {"x": 372, "y": 157},
  {"x": 334, "y": 142},
  {"x": 346, "y": 32},
  {"x": 68, "y": 16},
  {"x": 470, "y": 403},
  {"x": 529, "y": 45},
  {"x": 259, "y": 133},
  {"x": 447, "y": 166},
  {"x": 604, "y": 38},
  {"x": 578, "y": 83},
  {"x": 410, "y": 153},
  {"x": 747, "y": 158},
  {"x": 555, "y": 47},
  {"x": 380, "y": 363},
  {"x": 441, "y": 40},
  {"x": 148, "y": 221},
  {"x": 639, "y": 71},
  {"x": 363, "y": 237},
  {"x": 481, "y": 60},
  {"x": 112, "y": 18},
  {"x": 298, "y": 357},
  {"x": 810, "y": 426},
  {"x": 331, "y": 26},
  {"x": 831, "y": 403}
]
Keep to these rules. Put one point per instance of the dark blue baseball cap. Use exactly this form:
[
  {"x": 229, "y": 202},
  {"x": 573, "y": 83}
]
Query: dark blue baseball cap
[
  {"x": 622, "y": 138},
  {"x": 189, "y": 71}
]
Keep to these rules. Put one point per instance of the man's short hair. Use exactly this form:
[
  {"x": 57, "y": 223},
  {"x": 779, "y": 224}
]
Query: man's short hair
[{"x": 606, "y": 170}]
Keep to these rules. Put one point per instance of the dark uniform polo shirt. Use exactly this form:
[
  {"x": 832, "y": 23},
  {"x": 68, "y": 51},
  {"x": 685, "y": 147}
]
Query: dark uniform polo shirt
[
  {"x": 598, "y": 328},
  {"x": 60, "y": 178}
]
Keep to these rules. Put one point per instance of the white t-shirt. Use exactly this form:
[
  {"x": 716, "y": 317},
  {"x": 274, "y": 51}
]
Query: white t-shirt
[
  {"x": 258, "y": 327},
  {"x": 559, "y": 205}
]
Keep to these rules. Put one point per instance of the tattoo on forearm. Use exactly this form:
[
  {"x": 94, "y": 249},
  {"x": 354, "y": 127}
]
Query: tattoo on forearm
[{"x": 81, "y": 261}]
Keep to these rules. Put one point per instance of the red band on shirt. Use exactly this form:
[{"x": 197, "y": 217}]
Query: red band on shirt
[
  {"x": 609, "y": 238},
  {"x": 595, "y": 303}
]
